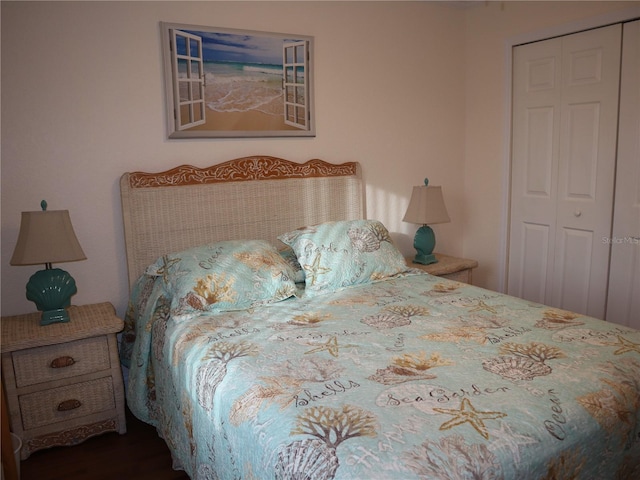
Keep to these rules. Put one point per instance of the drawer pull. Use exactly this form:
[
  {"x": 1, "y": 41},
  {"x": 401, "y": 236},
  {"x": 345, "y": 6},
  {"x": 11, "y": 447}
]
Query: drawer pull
[
  {"x": 69, "y": 405},
  {"x": 61, "y": 362}
]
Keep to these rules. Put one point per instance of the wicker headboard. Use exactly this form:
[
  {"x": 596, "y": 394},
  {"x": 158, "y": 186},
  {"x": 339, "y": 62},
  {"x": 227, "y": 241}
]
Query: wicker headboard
[{"x": 257, "y": 197}]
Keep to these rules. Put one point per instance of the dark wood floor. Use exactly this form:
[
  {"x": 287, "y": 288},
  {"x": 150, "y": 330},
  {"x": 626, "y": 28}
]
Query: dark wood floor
[{"x": 139, "y": 454}]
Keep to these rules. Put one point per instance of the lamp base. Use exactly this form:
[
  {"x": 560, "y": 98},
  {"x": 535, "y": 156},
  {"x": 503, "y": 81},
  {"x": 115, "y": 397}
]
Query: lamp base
[
  {"x": 425, "y": 259},
  {"x": 59, "y": 315},
  {"x": 51, "y": 290},
  {"x": 424, "y": 242}
]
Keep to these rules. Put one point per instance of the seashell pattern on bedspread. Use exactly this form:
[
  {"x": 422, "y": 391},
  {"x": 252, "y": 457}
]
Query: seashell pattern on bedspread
[{"x": 405, "y": 378}]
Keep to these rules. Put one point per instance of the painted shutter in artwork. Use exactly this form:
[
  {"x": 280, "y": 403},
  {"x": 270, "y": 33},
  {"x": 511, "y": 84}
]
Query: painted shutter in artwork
[
  {"x": 295, "y": 76},
  {"x": 188, "y": 79}
]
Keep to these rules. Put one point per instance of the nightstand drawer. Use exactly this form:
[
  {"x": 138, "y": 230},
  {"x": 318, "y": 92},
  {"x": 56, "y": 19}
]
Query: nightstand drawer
[
  {"x": 65, "y": 403},
  {"x": 53, "y": 362}
]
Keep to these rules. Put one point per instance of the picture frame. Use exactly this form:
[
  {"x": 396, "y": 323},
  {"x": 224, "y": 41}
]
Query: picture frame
[{"x": 237, "y": 83}]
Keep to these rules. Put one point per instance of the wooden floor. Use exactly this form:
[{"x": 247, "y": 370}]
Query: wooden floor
[{"x": 139, "y": 454}]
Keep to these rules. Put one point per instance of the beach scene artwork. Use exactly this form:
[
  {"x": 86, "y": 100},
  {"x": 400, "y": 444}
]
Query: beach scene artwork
[{"x": 236, "y": 83}]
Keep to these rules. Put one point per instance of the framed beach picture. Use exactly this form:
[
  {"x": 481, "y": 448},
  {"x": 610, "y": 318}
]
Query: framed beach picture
[{"x": 235, "y": 83}]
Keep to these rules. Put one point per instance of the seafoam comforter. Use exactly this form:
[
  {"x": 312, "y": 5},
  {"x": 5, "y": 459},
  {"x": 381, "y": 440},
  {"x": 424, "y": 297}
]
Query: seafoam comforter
[{"x": 409, "y": 377}]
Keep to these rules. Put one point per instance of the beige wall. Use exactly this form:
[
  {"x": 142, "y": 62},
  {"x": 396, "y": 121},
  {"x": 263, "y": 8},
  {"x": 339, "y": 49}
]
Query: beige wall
[{"x": 409, "y": 89}]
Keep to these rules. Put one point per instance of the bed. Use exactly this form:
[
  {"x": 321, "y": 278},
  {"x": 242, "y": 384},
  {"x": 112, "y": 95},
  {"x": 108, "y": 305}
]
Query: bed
[{"x": 273, "y": 331}]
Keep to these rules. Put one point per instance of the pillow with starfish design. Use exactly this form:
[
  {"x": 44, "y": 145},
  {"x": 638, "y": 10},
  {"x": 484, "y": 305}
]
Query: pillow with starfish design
[{"x": 336, "y": 255}]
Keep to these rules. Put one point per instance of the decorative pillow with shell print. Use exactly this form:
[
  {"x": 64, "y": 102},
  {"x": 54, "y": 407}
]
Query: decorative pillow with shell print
[
  {"x": 336, "y": 255},
  {"x": 222, "y": 276}
]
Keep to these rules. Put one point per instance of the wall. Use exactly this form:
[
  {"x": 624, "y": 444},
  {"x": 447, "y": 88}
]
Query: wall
[
  {"x": 409, "y": 89},
  {"x": 83, "y": 102}
]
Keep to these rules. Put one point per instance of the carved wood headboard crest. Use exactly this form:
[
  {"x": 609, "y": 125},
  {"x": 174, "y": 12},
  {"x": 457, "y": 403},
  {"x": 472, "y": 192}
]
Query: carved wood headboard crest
[{"x": 242, "y": 169}]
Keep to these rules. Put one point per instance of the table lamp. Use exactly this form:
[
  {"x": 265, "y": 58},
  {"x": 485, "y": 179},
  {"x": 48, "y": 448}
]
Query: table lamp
[
  {"x": 47, "y": 237},
  {"x": 426, "y": 207}
]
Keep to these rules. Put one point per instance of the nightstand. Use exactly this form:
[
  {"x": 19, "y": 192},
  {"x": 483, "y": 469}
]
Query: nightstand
[
  {"x": 453, "y": 268},
  {"x": 63, "y": 381}
]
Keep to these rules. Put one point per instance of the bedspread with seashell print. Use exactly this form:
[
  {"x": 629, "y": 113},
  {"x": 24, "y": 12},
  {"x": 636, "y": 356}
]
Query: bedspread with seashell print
[{"x": 410, "y": 377}]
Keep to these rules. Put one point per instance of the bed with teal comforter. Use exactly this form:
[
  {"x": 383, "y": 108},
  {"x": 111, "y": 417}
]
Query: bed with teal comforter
[{"x": 402, "y": 375}]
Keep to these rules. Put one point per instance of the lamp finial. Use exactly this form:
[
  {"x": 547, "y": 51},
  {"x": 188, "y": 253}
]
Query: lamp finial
[
  {"x": 43, "y": 205},
  {"x": 426, "y": 182}
]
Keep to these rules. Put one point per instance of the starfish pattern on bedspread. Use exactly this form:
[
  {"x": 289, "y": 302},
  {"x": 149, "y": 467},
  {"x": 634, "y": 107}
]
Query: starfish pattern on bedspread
[
  {"x": 330, "y": 346},
  {"x": 625, "y": 346},
  {"x": 512, "y": 441},
  {"x": 481, "y": 305},
  {"x": 468, "y": 414}
]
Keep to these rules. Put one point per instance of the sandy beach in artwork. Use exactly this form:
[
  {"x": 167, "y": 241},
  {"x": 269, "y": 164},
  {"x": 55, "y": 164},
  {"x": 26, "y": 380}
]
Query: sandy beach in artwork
[
  {"x": 251, "y": 120},
  {"x": 243, "y": 97}
]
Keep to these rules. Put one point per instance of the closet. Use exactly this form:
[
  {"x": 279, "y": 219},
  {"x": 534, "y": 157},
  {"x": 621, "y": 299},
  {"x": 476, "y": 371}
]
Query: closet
[{"x": 574, "y": 234}]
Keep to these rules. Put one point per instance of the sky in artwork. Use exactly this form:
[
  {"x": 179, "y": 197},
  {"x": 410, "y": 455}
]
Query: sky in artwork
[{"x": 240, "y": 48}]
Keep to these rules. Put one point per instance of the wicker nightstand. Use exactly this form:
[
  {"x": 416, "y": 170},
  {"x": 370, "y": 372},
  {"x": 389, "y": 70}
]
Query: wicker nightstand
[
  {"x": 63, "y": 381},
  {"x": 453, "y": 268}
]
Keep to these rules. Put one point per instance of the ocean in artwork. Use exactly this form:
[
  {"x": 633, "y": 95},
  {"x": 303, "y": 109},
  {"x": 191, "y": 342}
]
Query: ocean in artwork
[{"x": 243, "y": 87}]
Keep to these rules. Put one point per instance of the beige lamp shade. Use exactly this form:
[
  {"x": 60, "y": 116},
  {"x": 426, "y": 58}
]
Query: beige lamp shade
[
  {"x": 426, "y": 206},
  {"x": 46, "y": 237}
]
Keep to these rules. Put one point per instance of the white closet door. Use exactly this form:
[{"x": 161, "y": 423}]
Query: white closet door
[
  {"x": 564, "y": 153},
  {"x": 588, "y": 138},
  {"x": 534, "y": 166},
  {"x": 623, "y": 304}
]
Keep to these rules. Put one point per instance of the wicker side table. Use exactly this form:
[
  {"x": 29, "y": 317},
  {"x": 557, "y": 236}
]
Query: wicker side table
[
  {"x": 63, "y": 381},
  {"x": 453, "y": 268}
]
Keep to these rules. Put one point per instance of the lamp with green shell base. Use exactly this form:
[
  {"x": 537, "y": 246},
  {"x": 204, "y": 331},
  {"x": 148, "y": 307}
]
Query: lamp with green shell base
[
  {"x": 426, "y": 207},
  {"x": 47, "y": 237}
]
